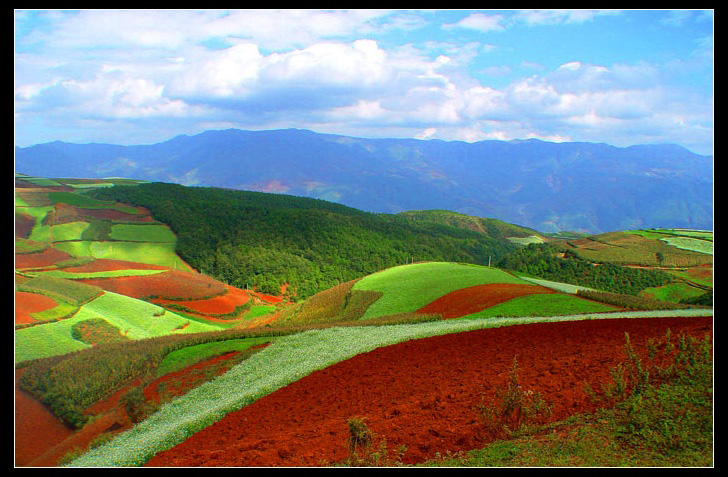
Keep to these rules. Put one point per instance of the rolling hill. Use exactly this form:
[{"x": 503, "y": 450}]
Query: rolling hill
[
  {"x": 130, "y": 326},
  {"x": 546, "y": 186}
]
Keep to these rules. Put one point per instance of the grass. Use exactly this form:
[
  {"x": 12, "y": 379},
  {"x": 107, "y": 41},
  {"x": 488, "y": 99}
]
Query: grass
[
  {"x": 142, "y": 252},
  {"x": 68, "y": 231},
  {"x": 142, "y": 233},
  {"x": 674, "y": 292},
  {"x": 136, "y": 319},
  {"x": 182, "y": 358},
  {"x": 543, "y": 305},
  {"x": 408, "y": 288}
]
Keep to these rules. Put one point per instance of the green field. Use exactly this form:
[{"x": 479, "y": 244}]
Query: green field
[
  {"x": 410, "y": 287},
  {"x": 101, "y": 274},
  {"x": 543, "y": 305},
  {"x": 151, "y": 253},
  {"x": 142, "y": 233},
  {"x": 180, "y": 359},
  {"x": 136, "y": 319},
  {"x": 68, "y": 231}
]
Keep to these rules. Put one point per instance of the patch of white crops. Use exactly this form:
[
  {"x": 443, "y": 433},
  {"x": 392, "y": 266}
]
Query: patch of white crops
[{"x": 287, "y": 359}]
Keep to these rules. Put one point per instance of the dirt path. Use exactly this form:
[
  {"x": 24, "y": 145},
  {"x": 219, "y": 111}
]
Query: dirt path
[{"x": 421, "y": 394}]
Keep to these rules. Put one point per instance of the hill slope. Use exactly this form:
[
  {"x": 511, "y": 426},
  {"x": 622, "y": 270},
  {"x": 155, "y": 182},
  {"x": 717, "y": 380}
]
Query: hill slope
[
  {"x": 252, "y": 238},
  {"x": 546, "y": 186}
]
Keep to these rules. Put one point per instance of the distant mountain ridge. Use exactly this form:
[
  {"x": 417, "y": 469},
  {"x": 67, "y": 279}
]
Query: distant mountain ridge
[{"x": 589, "y": 187}]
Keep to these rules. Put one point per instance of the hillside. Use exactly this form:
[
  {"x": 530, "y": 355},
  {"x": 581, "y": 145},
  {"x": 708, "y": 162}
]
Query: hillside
[
  {"x": 265, "y": 240},
  {"x": 546, "y": 186}
]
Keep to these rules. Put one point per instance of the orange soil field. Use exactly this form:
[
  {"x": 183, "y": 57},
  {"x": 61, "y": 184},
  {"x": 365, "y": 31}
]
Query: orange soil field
[
  {"x": 479, "y": 297},
  {"x": 23, "y": 225},
  {"x": 169, "y": 284},
  {"x": 27, "y": 303},
  {"x": 218, "y": 305},
  {"x": 423, "y": 393}
]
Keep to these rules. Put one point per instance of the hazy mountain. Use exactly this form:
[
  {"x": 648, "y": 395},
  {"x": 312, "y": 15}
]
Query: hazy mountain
[{"x": 547, "y": 186}]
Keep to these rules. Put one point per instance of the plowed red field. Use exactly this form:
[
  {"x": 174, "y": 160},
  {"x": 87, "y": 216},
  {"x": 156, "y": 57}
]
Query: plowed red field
[
  {"x": 169, "y": 284},
  {"x": 218, "y": 305},
  {"x": 46, "y": 258},
  {"x": 479, "y": 297},
  {"x": 27, "y": 303},
  {"x": 422, "y": 393}
]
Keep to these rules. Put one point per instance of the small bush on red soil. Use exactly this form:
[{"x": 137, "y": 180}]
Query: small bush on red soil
[
  {"x": 362, "y": 451},
  {"x": 512, "y": 408}
]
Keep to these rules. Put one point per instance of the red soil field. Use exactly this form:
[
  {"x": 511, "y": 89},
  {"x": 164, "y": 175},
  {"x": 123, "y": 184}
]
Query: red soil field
[
  {"x": 218, "y": 305},
  {"x": 473, "y": 299},
  {"x": 423, "y": 393},
  {"x": 46, "y": 258},
  {"x": 36, "y": 428},
  {"x": 27, "y": 303},
  {"x": 169, "y": 284},
  {"x": 23, "y": 225},
  {"x": 103, "y": 265},
  {"x": 70, "y": 213}
]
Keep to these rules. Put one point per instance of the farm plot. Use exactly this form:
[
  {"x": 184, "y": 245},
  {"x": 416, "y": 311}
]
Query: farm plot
[
  {"x": 408, "y": 288},
  {"x": 219, "y": 305},
  {"x": 135, "y": 319},
  {"x": 290, "y": 358},
  {"x": 143, "y": 252},
  {"x": 26, "y": 304},
  {"x": 142, "y": 233},
  {"x": 171, "y": 284}
]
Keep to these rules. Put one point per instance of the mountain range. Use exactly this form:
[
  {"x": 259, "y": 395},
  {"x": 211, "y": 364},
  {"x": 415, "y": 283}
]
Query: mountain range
[{"x": 577, "y": 186}]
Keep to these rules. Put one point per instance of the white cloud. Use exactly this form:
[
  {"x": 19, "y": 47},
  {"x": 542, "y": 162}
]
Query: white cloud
[{"x": 479, "y": 21}]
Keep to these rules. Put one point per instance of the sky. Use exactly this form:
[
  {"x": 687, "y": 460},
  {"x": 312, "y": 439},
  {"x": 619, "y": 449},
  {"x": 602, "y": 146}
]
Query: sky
[{"x": 622, "y": 77}]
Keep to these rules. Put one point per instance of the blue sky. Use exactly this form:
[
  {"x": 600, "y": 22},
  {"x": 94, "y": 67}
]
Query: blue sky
[{"x": 621, "y": 77}]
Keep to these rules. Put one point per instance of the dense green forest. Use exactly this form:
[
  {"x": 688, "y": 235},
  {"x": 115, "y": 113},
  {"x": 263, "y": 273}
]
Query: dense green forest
[
  {"x": 248, "y": 239},
  {"x": 542, "y": 260}
]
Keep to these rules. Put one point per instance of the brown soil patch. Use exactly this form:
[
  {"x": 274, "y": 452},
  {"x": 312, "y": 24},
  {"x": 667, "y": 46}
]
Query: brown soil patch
[
  {"x": 104, "y": 265},
  {"x": 218, "y": 305},
  {"x": 24, "y": 224},
  {"x": 71, "y": 213},
  {"x": 27, "y": 303},
  {"x": 422, "y": 393},
  {"x": 170, "y": 284},
  {"x": 45, "y": 258},
  {"x": 473, "y": 299},
  {"x": 36, "y": 428}
]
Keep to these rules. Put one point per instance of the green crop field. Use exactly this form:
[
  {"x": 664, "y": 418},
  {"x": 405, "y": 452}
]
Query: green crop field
[
  {"x": 542, "y": 305},
  {"x": 137, "y": 319},
  {"x": 410, "y": 287},
  {"x": 68, "y": 231},
  {"x": 180, "y": 359},
  {"x": 142, "y": 252},
  {"x": 142, "y": 233}
]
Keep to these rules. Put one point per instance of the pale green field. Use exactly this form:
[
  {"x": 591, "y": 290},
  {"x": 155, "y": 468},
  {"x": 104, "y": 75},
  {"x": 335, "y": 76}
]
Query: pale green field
[
  {"x": 40, "y": 233},
  {"x": 408, "y": 288},
  {"x": 142, "y": 252},
  {"x": 68, "y": 231},
  {"x": 142, "y": 233},
  {"x": 690, "y": 243},
  {"x": 526, "y": 240},
  {"x": 135, "y": 318}
]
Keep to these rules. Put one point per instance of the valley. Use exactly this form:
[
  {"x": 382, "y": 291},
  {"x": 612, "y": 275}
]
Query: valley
[{"x": 167, "y": 325}]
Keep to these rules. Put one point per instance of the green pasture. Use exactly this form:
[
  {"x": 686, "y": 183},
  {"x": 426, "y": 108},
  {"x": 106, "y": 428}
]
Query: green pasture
[
  {"x": 690, "y": 243},
  {"x": 182, "y": 358},
  {"x": 68, "y": 231},
  {"x": 142, "y": 252},
  {"x": 83, "y": 201},
  {"x": 526, "y": 240},
  {"x": 29, "y": 246},
  {"x": 137, "y": 319},
  {"x": 407, "y": 288},
  {"x": 542, "y": 304},
  {"x": 142, "y": 233},
  {"x": 40, "y": 232},
  {"x": 61, "y": 289},
  {"x": 674, "y": 292}
]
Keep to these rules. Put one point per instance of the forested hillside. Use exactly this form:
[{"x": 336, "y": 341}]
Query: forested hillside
[{"x": 265, "y": 240}]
